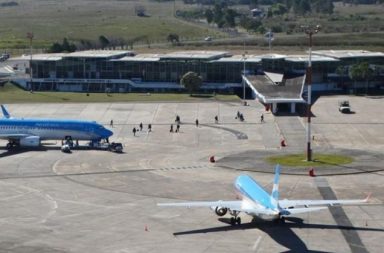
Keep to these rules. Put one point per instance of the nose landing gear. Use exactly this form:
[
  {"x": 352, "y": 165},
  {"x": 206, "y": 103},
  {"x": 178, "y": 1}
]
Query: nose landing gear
[{"x": 235, "y": 219}]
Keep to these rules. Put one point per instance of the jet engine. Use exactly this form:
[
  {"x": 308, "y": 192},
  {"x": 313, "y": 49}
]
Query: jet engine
[
  {"x": 221, "y": 211},
  {"x": 30, "y": 141}
]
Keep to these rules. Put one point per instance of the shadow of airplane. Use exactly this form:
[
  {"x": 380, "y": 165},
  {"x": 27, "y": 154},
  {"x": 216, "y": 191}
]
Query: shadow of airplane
[
  {"x": 20, "y": 150},
  {"x": 280, "y": 233}
]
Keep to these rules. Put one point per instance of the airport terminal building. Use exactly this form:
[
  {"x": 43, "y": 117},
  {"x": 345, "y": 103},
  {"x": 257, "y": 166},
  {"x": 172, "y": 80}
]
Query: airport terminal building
[{"x": 271, "y": 75}]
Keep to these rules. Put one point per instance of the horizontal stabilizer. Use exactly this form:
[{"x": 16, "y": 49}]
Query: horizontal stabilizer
[
  {"x": 302, "y": 210},
  {"x": 285, "y": 203},
  {"x": 234, "y": 205}
]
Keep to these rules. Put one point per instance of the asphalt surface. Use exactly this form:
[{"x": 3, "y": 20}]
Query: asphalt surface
[{"x": 99, "y": 201}]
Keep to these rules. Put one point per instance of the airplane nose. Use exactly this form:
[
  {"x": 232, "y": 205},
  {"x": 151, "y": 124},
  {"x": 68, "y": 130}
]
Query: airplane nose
[{"x": 108, "y": 133}]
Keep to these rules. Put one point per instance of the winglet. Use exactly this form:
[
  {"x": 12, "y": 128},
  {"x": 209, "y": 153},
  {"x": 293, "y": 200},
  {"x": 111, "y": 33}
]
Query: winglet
[
  {"x": 5, "y": 112},
  {"x": 275, "y": 189},
  {"x": 368, "y": 197}
]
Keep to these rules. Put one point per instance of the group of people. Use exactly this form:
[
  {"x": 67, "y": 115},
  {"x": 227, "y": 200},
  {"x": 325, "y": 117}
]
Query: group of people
[
  {"x": 239, "y": 116},
  {"x": 135, "y": 130}
]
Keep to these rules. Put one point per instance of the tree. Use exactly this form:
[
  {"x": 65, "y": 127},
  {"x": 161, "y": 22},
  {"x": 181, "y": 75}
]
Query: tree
[
  {"x": 229, "y": 16},
  {"x": 104, "y": 42},
  {"x": 191, "y": 81},
  {"x": 218, "y": 15},
  {"x": 55, "y": 48},
  {"x": 209, "y": 15},
  {"x": 361, "y": 72},
  {"x": 65, "y": 45},
  {"x": 322, "y": 6},
  {"x": 250, "y": 24},
  {"x": 301, "y": 7},
  {"x": 173, "y": 38},
  {"x": 278, "y": 9},
  {"x": 341, "y": 71},
  {"x": 253, "y": 4}
]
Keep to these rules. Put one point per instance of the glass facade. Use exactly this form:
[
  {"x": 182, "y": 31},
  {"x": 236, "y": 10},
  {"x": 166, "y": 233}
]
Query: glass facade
[{"x": 122, "y": 74}]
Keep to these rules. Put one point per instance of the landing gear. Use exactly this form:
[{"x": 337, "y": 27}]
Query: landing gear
[
  {"x": 68, "y": 141},
  {"x": 235, "y": 219},
  {"x": 11, "y": 145},
  {"x": 280, "y": 220}
]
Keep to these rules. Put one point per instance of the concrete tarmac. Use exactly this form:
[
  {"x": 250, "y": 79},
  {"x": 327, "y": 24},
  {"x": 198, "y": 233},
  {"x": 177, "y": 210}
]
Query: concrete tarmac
[{"x": 99, "y": 201}]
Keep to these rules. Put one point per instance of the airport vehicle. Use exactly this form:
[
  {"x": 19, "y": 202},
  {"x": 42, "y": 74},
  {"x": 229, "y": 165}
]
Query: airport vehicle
[
  {"x": 116, "y": 147},
  {"x": 255, "y": 201},
  {"x": 66, "y": 148},
  {"x": 26, "y": 132},
  {"x": 344, "y": 106}
]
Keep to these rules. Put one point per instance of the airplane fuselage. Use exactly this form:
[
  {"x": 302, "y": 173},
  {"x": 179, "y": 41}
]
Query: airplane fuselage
[
  {"x": 54, "y": 129},
  {"x": 254, "y": 197}
]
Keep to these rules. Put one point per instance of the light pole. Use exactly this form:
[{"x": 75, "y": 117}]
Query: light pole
[
  {"x": 30, "y": 37},
  {"x": 310, "y": 30},
  {"x": 244, "y": 58}
]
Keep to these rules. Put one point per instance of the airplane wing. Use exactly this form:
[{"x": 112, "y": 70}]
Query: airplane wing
[
  {"x": 235, "y": 205},
  {"x": 13, "y": 136},
  {"x": 290, "y": 204}
]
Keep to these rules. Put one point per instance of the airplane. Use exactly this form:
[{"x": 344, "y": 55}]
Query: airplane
[
  {"x": 257, "y": 202},
  {"x": 24, "y": 132}
]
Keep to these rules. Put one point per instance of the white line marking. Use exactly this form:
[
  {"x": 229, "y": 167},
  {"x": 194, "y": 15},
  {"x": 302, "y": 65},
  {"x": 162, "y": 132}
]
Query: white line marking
[{"x": 256, "y": 245}]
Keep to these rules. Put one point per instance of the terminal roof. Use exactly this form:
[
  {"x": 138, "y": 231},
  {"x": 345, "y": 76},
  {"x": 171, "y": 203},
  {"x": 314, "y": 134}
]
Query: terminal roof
[
  {"x": 240, "y": 58},
  {"x": 314, "y": 58},
  {"x": 197, "y": 55},
  {"x": 288, "y": 91},
  {"x": 273, "y": 56},
  {"x": 99, "y": 54},
  {"x": 347, "y": 53},
  {"x": 41, "y": 57},
  {"x": 140, "y": 58}
]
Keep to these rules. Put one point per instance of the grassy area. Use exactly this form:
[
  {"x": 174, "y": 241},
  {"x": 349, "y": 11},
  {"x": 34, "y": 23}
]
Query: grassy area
[
  {"x": 318, "y": 160},
  {"x": 88, "y": 19},
  {"x": 11, "y": 94}
]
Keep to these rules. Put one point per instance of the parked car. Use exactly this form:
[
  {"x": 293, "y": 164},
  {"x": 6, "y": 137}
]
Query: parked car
[
  {"x": 208, "y": 38},
  {"x": 344, "y": 106}
]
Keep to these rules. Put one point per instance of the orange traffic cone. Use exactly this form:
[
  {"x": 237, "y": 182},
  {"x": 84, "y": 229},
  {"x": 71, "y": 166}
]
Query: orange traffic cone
[{"x": 312, "y": 172}]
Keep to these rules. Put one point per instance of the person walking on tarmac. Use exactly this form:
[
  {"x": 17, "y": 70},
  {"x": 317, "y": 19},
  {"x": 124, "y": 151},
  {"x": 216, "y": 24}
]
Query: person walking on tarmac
[
  {"x": 134, "y": 131},
  {"x": 262, "y": 118},
  {"x": 171, "y": 129},
  {"x": 141, "y": 126},
  {"x": 197, "y": 122},
  {"x": 177, "y": 128}
]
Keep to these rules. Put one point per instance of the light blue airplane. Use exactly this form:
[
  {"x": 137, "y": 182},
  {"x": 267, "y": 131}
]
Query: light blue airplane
[
  {"x": 30, "y": 132},
  {"x": 256, "y": 202}
]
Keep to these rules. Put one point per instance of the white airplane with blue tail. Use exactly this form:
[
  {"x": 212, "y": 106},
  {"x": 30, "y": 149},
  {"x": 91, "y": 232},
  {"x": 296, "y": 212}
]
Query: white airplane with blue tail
[
  {"x": 257, "y": 202},
  {"x": 29, "y": 132}
]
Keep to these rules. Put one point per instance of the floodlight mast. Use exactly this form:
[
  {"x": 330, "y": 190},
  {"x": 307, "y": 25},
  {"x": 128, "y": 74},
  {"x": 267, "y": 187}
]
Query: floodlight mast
[
  {"x": 244, "y": 77},
  {"x": 30, "y": 37},
  {"x": 310, "y": 30},
  {"x": 244, "y": 58}
]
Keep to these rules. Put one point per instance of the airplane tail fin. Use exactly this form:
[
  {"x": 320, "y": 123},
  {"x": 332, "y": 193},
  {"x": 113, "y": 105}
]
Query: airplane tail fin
[
  {"x": 275, "y": 189},
  {"x": 5, "y": 112}
]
